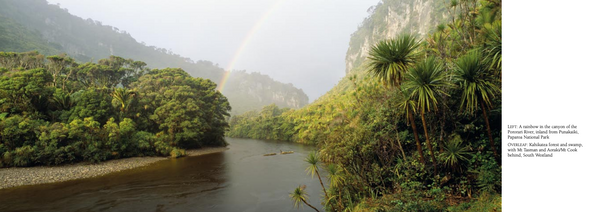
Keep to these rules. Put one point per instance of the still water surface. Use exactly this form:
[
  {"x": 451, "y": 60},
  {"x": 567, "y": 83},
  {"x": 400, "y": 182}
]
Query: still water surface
[{"x": 239, "y": 179}]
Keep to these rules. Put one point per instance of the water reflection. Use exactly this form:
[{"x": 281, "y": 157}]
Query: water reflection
[{"x": 240, "y": 179}]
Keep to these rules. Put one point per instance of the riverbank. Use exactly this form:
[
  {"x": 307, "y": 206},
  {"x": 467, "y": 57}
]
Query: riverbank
[{"x": 13, "y": 177}]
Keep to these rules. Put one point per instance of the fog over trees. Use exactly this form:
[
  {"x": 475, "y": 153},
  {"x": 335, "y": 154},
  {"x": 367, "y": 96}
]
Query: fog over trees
[{"x": 298, "y": 42}]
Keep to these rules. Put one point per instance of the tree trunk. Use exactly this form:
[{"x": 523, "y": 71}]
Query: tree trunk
[
  {"x": 309, "y": 205},
  {"x": 428, "y": 142},
  {"x": 414, "y": 128},
  {"x": 489, "y": 131},
  {"x": 320, "y": 181}
]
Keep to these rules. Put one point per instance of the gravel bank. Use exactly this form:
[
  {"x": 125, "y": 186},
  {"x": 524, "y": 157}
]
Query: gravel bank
[{"x": 12, "y": 177}]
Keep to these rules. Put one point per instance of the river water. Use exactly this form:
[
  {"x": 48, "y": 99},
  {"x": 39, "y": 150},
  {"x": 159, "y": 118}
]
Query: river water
[{"x": 239, "y": 179}]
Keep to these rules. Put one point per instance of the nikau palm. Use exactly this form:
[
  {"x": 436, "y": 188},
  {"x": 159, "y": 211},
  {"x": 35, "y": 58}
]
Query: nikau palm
[
  {"x": 122, "y": 97},
  {"x": 477, "y": 87},
  {"x": 425, "y": 83}
]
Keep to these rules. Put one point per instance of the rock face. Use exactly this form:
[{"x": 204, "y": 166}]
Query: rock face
[
  {"x": 251, "y": 91},
  {"x": 389, "y": 19}
]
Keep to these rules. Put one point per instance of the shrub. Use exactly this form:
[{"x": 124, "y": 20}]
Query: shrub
[
  {"x": 485, "y": 202},
  {"x": 162, "y": 148},
  {"x": 145, "y": 142},
  {"x": 7, "y": 159},
  {"x": 419, "y": 205},
  {"x": 176, "y": 153},
  {"x": 23, "y": 156},
  {"x": 94, "y": 154},
  {"x": 489, "y": 177},
  {"x": 17, "y": 131}
]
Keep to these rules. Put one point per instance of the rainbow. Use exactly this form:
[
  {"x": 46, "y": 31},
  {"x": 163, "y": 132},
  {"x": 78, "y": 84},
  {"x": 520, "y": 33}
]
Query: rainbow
[{"x": 245, "y": 42}]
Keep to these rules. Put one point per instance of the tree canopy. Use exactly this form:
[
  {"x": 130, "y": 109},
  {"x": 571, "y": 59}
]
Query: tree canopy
[{"x": 54, "y": 110}]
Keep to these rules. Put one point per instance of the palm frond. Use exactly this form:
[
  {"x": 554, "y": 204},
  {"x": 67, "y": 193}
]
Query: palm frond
[
  {"x": 390, "y": 59},
  {"x": 313, "y": 160},
  {"x": 456, "y": 154},
  {"x": 425, "y": 82},
  {"x": 299, "y": 196},
  {"x": 335, "y": 175},
  {"x": 475, "y": 81}
]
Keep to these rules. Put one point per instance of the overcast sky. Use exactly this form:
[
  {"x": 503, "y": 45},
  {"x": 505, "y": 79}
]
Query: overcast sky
[{"x": 299, "y": 42}]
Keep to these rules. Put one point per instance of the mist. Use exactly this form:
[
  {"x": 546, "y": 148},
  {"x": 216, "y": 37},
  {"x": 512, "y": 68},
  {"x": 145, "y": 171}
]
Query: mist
[{"x": 298, "y": 42}]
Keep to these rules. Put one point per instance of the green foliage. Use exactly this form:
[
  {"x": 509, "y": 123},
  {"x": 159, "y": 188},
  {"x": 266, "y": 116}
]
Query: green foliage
[
  {"x": 187, "y": 110},
  {"x": 456, "y": 154},
  {"x": 97, "y": 112},
  {"x": 368, "y": 130},
  {"x": 418, "y": 205},
  {"x": 299, "y": 196},
  {"x": 335, "y": 175},
  {"x": 176, "y": 153},
  {"x": 61, "y": 101},
  {"x": 123, "y": 99},
  {"x": 92, "y": 102},
  {"x": 488, "y": 174},
  {"x": 492, "y": 47},
  {"x": 485, "y": 202},
  {"x": 475, "y": 82},
  {"x": 266, "y": 124},
  {"x": 390, "y": 59},
  {"x": 425, "y": 84},
  {"x": 15, "y": 37},
  {"x": 24, "y": 91},
  {"x": 313, "y": 164},
  {"x": 17, "y": 131},
  {"x": 23, "y": 156},
  {"x": 145, "y": 142}
]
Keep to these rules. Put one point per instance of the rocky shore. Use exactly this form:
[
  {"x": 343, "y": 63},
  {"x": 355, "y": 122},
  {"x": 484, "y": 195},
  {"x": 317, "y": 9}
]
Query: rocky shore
[{"x": 12, "y": 177}]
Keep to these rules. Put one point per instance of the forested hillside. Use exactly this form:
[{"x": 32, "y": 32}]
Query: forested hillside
[
  {"x": 415, "y": 124},
  {"x": 16, "y": 38},
  {"x": 54, "y": 110},
  {"x": 34, "y": 25}
]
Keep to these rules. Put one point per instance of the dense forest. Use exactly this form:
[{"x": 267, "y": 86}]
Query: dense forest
[
  {"x": 35, "y": 25},
  {"x": 54, "y": 110},
  {"x": 415, "y": 127}
]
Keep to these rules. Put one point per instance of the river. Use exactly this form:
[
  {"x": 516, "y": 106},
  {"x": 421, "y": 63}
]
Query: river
[{"x": 239, "y": 179}]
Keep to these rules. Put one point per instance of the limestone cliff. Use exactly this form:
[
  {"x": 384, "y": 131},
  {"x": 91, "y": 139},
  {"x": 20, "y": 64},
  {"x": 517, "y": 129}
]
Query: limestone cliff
[{"x": 389, "y": 19}]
